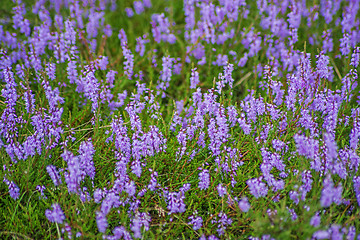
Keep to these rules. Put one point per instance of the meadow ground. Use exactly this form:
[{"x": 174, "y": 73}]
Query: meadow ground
[{"x": 194, "y": 119}]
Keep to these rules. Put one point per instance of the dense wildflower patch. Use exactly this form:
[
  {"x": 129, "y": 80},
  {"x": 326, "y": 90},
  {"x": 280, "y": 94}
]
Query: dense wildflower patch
[{"x": 194, "y": 119}]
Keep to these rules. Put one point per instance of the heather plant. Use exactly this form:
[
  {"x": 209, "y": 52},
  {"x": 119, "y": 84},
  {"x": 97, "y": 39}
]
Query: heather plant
[{"x": 192, "y": 119}]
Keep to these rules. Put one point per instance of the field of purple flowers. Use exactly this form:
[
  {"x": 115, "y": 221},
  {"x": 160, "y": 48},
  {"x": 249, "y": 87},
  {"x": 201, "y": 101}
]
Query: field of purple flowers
[{"x": 193, "y": 119}]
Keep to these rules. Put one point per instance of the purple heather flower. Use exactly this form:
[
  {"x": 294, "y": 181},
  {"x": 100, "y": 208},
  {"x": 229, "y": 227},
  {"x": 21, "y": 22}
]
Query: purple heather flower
[
  {"x": 175, "y": 202},
  {"x": 278, "y": 145},
  {"x": 41, "y": 189},
  {"x": 331, "y": 147},
  {"x": 185, "y": 187},
  {"x": 223, "y": 222},
  {"x": 335, "y": 232},
  {"x": 142, "y": 192},
  {"x": 52, "y": 96},
  {"x": 8, "y": 118},
  {"x": 255, "y": 46},
  {"x": 257, "y": 187},
  {"x": 135, "y": 122},
  {"x": 107, "y": 30},
  {"x": 98, "y": 195},
  {"x": 112, "y": 200},
  {"x": 54, "y": 174},
  {"x": 121, "y": 233},
  {"x": 355, "y": 57},
  {"x": 147, "y": 3},
  {"x": 122, "y": 36},
  {"x": 351, "y": 233},
  {"x": 348, "y": 19},
  {"x": 139, "y": 7},
  {"x": 73, "y": 175},
  {"x": 130, "y": 188},
  {"x": 56, "y": 214},
  {"x": 243, "y": 60},
  {"x": 221, "y": 60},
  {"x": 160, "y": 29},
  {"x": 327, "y": 45},
  {"x": 204, "y": 178},
  {"x": 14, "y": 190},
  {"x": 129, "y": 63},
  {"x": 86, "y": 152},
  {"x": 165, "y": 74},
  {"x": 122, "y": 141},
  {"x": 321, "y": 234},
  {"x": 212, "y": 237},
  {"x": 19, "y": 21},
  {"x": 101, "y": 222},
  {"x": 356, "y": 182},
  {"x": 153, "y": 141},
  {"x": 196, "y": 222},
  {"x": 345, "y": 44},
  {"x": 90, "y": 86},
  {"x": 315, "y": 220},
  {"x": 153, "y": 181},
  {"x": 328, "y": 9},
  {"x": 194, "y": 79},
  {"x": 307, "y": 180},
  {"x": 349, "y": 84},
  {"x": 198, "y": 52},
  {"x": 203, "y": 237},
  {"x": 307, "y": 147},
  {"x": 140, "y": 220},
  {"x": 322, "y": 68},
  {"x": 329, "y": 193},
  {"x": 277, "y": 92},
  {"x": 244, "y": 204},
  {"x": 50, "y": 70},
  {"x": 72, "y": 72},
  {"x": 221, "y": 190},
  {"x": 244, "y": 126},
  {"x": 232, "y": 115},
  {"x": 101, "y": 62},
  {"x": 140, "y": 45},
  {"x": 189, "y": 12},
  {"x": 110, "y": 78},
  {"x": 294, "y": 195},
  {"x": 227, "y": 75},
  {"x": 136, "y": 166},
  {"x": 93, "y": 24},
  {"x": 292, "y": 214},
  {"x": 129, "y": 12},
  {"x": 294, "y": 17}
]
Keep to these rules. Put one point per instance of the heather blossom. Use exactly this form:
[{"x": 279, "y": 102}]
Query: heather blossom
[
  {"x": 257, "y": 187},
  {"x": 315, "y": 220},
  {"x": 196, "y": 221},
  {"x": 244, "y": 204},
  {"x": 204, "y": 178},
  {"x": 175, "y": 202},
  {"x": 221, "y": 190},
  {"x": 56, "y": 214},
  {"x": 14, "y": 190},
  {"x": 139, "y": 7},
  {"x": 140, "y": 45},
  {"x": 165, "y": 74},
  {"x": 329, "y": 193},
  {"x": 160, "y": 29},
  {"x": 101, "y": 222},
  {"x": 54, "y": 174},
  {"x": 194, "y": 79}
]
